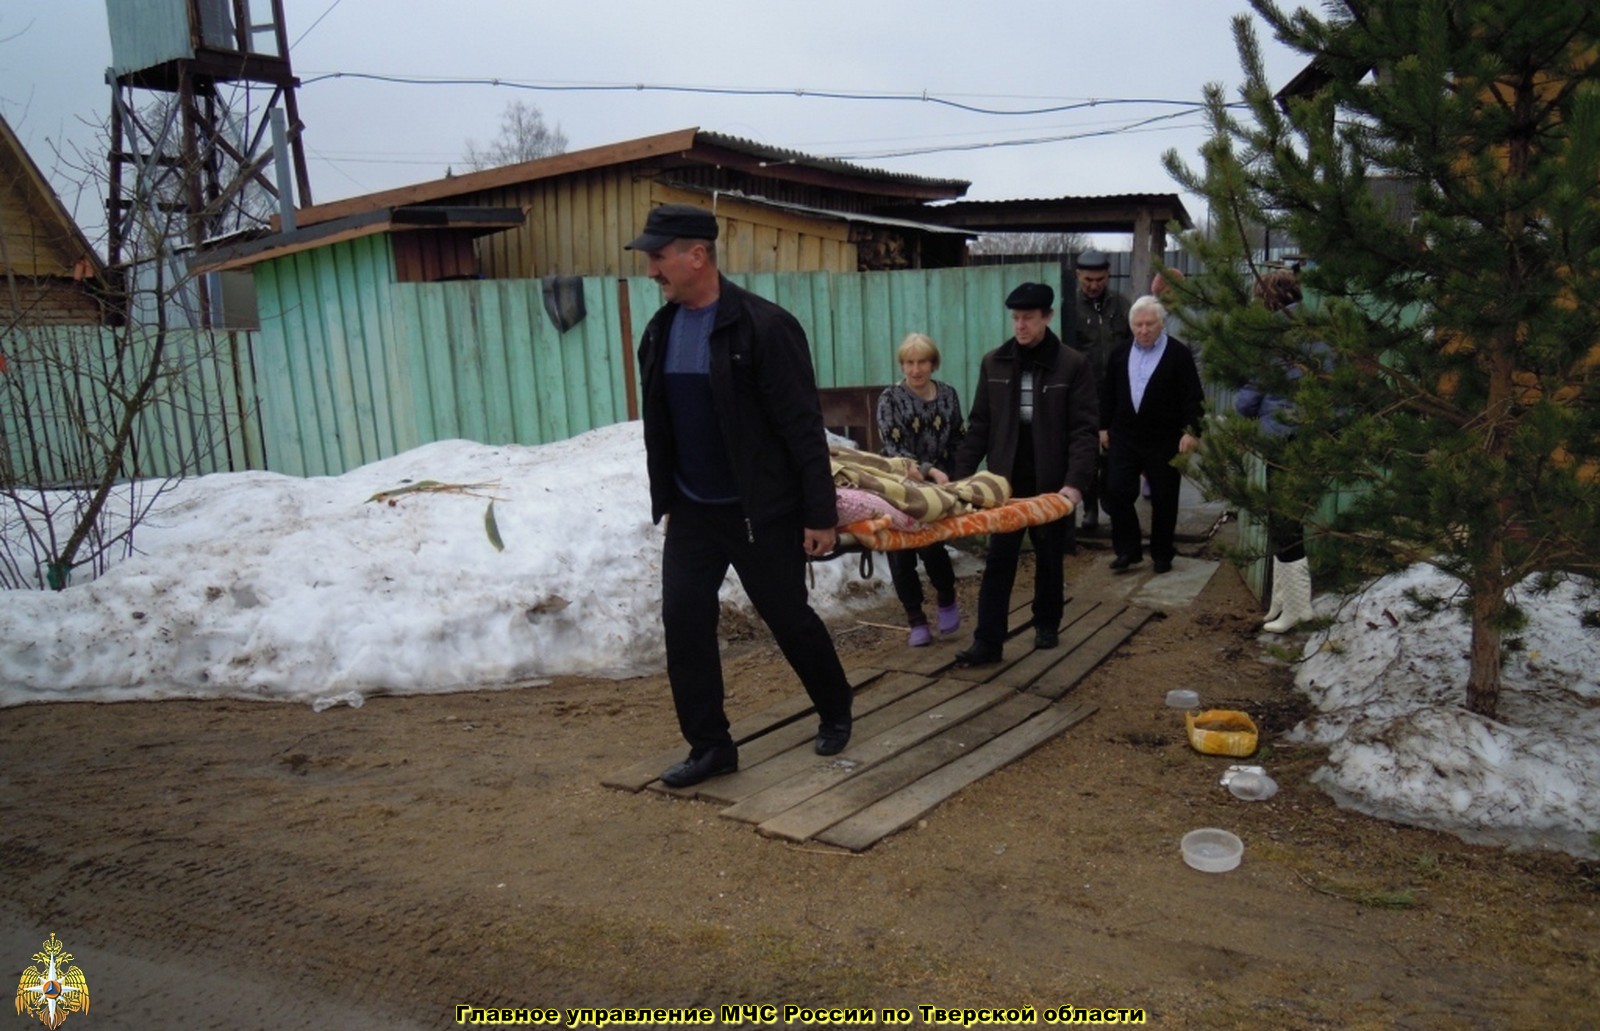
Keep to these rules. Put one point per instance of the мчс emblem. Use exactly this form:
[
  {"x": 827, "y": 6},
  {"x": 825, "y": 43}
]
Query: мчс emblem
[{"x": 57, "y": 990}]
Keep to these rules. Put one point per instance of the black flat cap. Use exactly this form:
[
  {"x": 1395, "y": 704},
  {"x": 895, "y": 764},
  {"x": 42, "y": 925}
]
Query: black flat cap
[
  {"x": 1094, "y": 259},
  {"x": 1032, "y": 297},
  {"x": 670, "y": 222}
]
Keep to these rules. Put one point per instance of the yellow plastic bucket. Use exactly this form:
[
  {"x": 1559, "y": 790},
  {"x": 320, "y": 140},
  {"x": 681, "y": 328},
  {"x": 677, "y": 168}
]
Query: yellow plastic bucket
[{"x": 1222, "y": 732}]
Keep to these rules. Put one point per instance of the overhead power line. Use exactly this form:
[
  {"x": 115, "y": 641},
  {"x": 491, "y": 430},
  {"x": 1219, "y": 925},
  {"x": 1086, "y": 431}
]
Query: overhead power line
[
  {"x": 1142, "y": 125},
  {"x": 756, "y": 91}
]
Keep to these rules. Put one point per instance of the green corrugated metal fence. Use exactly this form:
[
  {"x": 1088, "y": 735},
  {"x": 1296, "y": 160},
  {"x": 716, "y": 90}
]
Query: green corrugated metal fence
[
  {"x": 58, "y": 416},
  {"x": 350, "y": 367},
  {"x": 353, "y": 367}
]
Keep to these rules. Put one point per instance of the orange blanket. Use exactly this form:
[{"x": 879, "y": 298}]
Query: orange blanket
[{"x": 877, "y": 535}]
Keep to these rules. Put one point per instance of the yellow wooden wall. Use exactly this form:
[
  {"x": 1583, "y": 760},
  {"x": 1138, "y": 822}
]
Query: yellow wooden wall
[
  {"x": 28, "y": 240},
  {"x": 36, "y": 263},
  {"x": 578, "y": 225}
]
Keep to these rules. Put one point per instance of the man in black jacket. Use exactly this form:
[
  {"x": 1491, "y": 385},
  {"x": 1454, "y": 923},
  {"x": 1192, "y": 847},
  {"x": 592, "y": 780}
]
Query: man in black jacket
[
  {"x": 1102, "y": 326},
  {"x": 1034, "y": 418},
  {"x": 738, "y": 459},
  {"x": 1151, "y": 404}
]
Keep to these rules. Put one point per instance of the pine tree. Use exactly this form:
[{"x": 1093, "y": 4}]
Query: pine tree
[{"x": 1443, "y": 184}]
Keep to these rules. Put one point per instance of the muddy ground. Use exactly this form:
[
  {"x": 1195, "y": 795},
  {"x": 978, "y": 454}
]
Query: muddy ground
[{"x": 232, "y": 864}]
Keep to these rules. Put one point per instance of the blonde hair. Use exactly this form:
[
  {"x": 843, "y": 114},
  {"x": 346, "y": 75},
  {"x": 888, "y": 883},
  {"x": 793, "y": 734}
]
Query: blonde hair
[{"x": 918, "y": 345}]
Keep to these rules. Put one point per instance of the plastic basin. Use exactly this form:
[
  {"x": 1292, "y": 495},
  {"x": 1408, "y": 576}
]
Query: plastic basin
[{"x": 1212, "y": 850}]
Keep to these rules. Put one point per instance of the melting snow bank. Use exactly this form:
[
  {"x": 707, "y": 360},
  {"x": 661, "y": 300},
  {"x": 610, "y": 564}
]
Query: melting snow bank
[
  {"x": 258, "y": 585},
  {"x": 1389, "y": 684}
]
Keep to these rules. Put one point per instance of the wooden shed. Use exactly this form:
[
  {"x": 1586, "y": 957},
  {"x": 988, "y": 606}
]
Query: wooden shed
[
  {"x": 1144, "y": 215},
  {"x": 49, "y": 273},
  {"x": 780, "y": 210}
]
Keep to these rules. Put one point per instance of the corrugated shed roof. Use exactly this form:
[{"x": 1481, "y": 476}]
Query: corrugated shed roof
[
  {"x": 778, "y": 155},
  {"x": 246, "y": 249},
  {"x": 1108, "y": 198},
  {"x": 689, "y": 146},
  {"x": 1104, "y": 213},
  {"x": 849, "y": 217}
]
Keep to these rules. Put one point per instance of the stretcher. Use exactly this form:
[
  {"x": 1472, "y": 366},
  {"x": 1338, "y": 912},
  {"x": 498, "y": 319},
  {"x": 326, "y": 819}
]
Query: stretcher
[{"x": 878, "y": 534}]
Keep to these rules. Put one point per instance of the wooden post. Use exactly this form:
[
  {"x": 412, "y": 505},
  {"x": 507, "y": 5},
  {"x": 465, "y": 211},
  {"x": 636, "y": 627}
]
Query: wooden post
[
  {"x": 1139, "y": 271},
  {"x": 625, "y": 314}
]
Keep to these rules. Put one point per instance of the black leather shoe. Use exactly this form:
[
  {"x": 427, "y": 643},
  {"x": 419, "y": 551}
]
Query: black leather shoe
[
  {"x": 832, "y": 736},
  {"x": 1122, "y": 562},
  {"x": 1162, "y": 565},
  {"x": 1045, "y": 638},
  {"x": 978, "y": 655},
  {"x": 713, "y": 762}
]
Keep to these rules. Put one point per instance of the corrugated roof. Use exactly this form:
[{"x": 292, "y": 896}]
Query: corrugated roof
[
  {"x": 1078, "y": 198},
  {"x": 778, "y": 155},
  {"x": 863, "y": 218},
  {"x": 691, "y": 146},
  {"x": 243, "y": 251},
  {"x": 1093, "y": 213}
]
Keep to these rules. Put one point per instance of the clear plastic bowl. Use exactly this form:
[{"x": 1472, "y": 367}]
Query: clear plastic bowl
[
  {"x": 1212, "y": 850},
  {"x": 1251, "y": 786},
  {"x": 1183, "y": 698}
]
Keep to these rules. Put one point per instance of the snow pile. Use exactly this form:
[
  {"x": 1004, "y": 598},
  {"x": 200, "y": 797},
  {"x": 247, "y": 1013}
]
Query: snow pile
[
  {"x": 1389, "y": 684},
  {"x": 256, "y": 585}
]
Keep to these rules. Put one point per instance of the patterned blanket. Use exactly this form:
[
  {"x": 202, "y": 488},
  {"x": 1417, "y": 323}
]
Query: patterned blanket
[
  {"x": 895, "y": 480},
  {"x": 878, "y": 535}
]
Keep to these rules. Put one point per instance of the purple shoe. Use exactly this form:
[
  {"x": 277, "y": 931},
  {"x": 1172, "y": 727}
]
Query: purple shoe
[
  {"x": 921, "y": 636},
  {"x": 949, "y": 618}
]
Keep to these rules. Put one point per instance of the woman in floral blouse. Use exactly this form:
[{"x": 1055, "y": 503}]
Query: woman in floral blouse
[{"x": 920, "y": 419}]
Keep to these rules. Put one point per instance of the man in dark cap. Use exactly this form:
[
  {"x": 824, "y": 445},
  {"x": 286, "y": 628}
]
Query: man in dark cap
[
  {"x": 1034, "y": 417},
  {"x": 1101, "y": 326},
  {"x": 738, "y": 458}
]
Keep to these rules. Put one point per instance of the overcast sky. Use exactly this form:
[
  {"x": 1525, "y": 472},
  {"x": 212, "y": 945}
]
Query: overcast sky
[{"x": 363, "y": 135}]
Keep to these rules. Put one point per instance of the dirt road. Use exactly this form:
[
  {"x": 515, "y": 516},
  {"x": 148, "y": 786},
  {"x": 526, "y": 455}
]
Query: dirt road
[{"x": 228, "y": 864}]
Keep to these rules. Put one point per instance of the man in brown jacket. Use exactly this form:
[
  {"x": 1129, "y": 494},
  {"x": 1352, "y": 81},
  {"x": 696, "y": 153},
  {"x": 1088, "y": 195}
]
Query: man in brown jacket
[{"x": 1035, "y": 417}]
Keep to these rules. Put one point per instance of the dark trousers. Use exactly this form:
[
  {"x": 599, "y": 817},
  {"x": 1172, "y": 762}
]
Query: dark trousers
[
  {"x": 1125, "y": 462},
  {"x": 908, "y": 586},
  {"x": 1092, "y": 496},
  {"x": 1287, "y": 537},
  {"x": 702, "y": 542},
  {"x": 1000, "y": 573}
]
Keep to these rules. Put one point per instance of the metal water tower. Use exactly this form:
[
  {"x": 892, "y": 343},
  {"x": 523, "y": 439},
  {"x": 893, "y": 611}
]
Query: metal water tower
[{"x": 195, "y": 87}]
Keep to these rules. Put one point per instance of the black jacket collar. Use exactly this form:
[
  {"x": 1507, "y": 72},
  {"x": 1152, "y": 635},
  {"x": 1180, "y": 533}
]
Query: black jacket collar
[{"x": 1045, "y": 351}]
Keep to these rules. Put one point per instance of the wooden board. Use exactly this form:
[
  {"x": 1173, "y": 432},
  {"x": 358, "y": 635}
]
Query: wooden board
[
  {"x": 817, "y": 774},
  {"x": 1017, "y": 643},
  {"x": 1028, "y": 669},
  {"x": 798, "y": 754},
  {"x": 641, "y": 773},
  {"x": 1063, "y": 677},
  {"x": 877, "y": 821},
  {"x": 924, "y": 729},
  {"x": 822, "y": 811}
]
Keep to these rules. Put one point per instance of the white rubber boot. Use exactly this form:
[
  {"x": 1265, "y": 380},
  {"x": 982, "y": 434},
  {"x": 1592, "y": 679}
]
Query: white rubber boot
[
  {"x": 1275, "y": 594},
  {"x": 1293, "y": 593}
]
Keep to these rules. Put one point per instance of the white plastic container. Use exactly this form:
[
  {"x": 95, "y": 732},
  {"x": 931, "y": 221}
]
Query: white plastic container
[
  {"x": 1183, "y": 698},
  {"x": 1212, "y": 850},
  {"x": 1252, "y": 787}
]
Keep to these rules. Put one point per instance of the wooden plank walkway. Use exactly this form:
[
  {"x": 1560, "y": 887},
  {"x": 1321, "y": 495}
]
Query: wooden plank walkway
[{"x": 924, "y": 729}]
